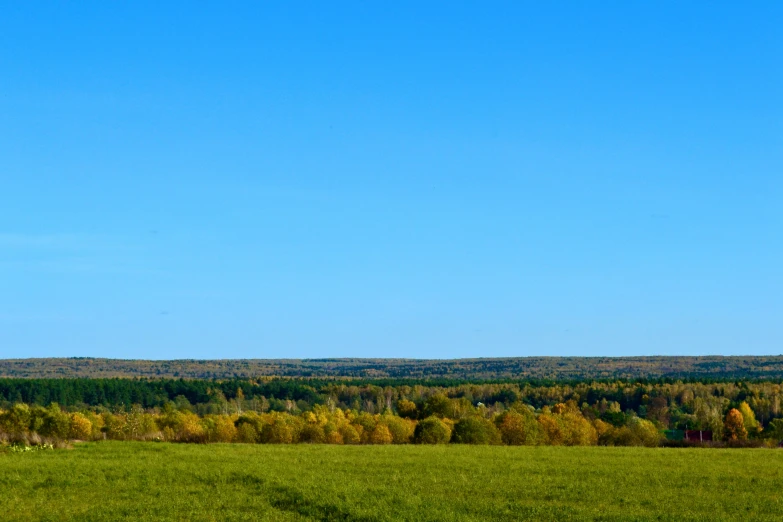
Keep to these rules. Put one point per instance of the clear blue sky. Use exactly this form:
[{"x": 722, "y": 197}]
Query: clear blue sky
[{"x": 423, "y": 179}]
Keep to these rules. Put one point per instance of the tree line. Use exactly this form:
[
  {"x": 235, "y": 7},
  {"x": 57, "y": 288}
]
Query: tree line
[
  {"x": 669, "y": 404},
  {"x": 322, "y": 410},
  {"x": 439, "y": 420}
]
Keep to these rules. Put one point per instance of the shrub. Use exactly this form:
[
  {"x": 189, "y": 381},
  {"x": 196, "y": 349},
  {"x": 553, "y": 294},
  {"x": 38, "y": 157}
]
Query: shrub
[
  {"x": 16, "y": 420},
  {"x": 247, "y": 433},
  {"x": 619, "y": 436},
  {"x": 380, "y": 435},
  {"x": 636, "y": 432},
  {"x": 313, "y": 433},
  {"x": 432, "y": 430},
  {"x": 114, "y": 426},
  {"x": 168, "y": 434},
  {"x": 365, "y": 424},
  {"x": 407, "y": 409},
  {"x": 518, "y": 428},
  {"x": 512, "y": 428},
  {"x": 577, "y": 431},
  {"x": 139, "y": 424},
  {"x": 81, "y": 427},
  {"x": 475, "y": 430},
  {"x": 550, "y": 429},
  {"x": 333, "y": 435},
  {"x": 350, "y": 434},
  {"x": 191, "y": 429},
  {"x": 223, "y": 429},
  {"x": 254, "y": 420},
  {"x": 281, "y": 429},
  {"x": 96, "y": 421},
  {"x": 401, "y": 429},
  {"x": 603, "y": 430},
  {"x": 644, "y": 432},
  {"x": 775, "y": 430}
]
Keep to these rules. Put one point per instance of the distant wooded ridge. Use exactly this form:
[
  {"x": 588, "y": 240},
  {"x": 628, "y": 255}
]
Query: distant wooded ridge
[{"x": 507, "y": 368}]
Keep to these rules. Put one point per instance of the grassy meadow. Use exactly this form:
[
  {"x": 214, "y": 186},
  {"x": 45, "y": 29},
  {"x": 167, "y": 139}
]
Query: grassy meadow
[{"x": 161, "y": 481}]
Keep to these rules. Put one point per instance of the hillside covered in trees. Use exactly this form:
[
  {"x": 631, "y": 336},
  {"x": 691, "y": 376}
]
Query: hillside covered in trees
[{"x": 514, "y": 368}]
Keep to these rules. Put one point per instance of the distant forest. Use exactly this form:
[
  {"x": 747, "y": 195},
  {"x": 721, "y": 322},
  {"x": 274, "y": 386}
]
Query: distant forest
[{"x": 490, "y": 369}]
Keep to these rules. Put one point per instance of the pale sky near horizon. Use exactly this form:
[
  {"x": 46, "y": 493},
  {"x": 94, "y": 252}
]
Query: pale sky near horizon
[{"x": 408, "y": 179}]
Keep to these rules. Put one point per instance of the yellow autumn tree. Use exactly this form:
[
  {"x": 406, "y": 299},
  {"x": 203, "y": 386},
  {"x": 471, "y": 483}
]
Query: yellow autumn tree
[
  {"x": 518, "y": 427},
  {"x": 313, "y": 433},
  {"x": 380, "y": 435},
  {"x": 190, "y": 428},
  {"x": 114, "y": 426},
  {"x": 603, "y": 430},
  {"x": 281, "y": 428},
  {"x": 401, "y": 429},
  {"x": 247, "y": 433},
  {"x": 81, "y": 427},
  {"x": 349, "y": 434},
  {"x": 749, "y": 418},
  {"x": 333, "y": 435},
  {"x": 550, "y": 429},
  {"x": 576, "y": 430},
  {"x": 96, "y": 421},
  {"x": 224, "y": 430},
  {"x": 406, "y": 408},
  {"x": 512, "y": 428},
  {"x": 734, "y": 426},
  {"x": 559, "y": 408}
]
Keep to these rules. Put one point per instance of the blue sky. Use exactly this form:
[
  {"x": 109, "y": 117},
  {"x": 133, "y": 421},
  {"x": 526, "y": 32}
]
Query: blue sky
[{"x": 415, "y": 179}]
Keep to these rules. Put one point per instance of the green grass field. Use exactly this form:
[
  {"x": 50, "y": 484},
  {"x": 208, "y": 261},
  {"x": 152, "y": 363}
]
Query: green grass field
[{"x": 158, "y": 481}]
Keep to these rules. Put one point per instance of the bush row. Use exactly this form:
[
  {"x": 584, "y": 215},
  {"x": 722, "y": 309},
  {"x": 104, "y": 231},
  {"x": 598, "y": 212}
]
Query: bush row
[
  {"x": 563, "y": 424},
  {"x": 518, "y": 425}
]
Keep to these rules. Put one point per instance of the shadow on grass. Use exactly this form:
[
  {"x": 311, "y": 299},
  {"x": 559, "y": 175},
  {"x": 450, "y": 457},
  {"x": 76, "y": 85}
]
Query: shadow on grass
[{"x": 288, "y": 499}]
